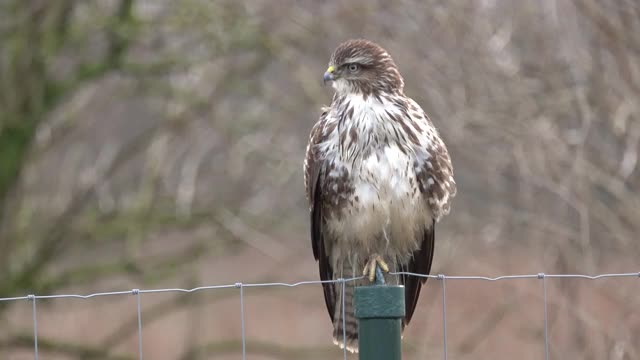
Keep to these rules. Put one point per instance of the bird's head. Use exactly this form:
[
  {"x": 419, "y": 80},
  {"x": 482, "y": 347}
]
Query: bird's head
[{"x": 361, "y": 66}]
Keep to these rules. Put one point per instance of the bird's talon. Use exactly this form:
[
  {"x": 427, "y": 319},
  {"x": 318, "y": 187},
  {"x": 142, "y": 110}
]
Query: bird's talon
[
  {"x": 370, "y": 267},
  {"x": 383, "y": 265},
  {"x": 372, "y": 270}
]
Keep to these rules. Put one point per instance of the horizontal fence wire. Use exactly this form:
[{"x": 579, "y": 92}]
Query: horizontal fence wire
[
  {"x": 316, "y": 282},
  {"x": 441, "y": 277}
]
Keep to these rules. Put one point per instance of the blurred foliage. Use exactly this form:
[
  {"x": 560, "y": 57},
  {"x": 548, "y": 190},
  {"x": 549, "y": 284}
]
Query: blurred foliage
[
  {"x": 36, "y": 37},
  {"x": 147, "y": 142}
]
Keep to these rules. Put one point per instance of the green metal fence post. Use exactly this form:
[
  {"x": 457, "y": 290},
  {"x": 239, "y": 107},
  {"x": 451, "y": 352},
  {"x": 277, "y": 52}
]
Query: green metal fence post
[{"x": 379, "y": 310}]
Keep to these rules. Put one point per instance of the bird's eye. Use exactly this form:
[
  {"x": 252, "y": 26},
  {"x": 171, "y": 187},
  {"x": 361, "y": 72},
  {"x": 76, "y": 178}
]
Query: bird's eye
[{"x": 353, "y": 68}]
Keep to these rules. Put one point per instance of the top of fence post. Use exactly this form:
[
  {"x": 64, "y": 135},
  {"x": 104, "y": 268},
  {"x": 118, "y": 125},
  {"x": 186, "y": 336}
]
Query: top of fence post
[{"x": 379, "y": 310}]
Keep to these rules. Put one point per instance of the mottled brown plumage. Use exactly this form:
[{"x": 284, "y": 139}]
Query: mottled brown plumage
[{"x": 378, "y": 177}]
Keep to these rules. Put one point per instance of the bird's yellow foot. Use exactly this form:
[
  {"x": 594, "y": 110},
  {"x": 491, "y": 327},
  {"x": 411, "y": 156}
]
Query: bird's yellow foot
[{"x": 370, "y": 267}]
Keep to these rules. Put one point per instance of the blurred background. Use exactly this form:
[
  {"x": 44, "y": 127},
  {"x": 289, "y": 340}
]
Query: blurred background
[{"x": 157, "y": 143}]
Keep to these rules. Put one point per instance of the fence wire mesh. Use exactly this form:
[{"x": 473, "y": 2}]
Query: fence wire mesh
[{"x": 440, "y": 277}]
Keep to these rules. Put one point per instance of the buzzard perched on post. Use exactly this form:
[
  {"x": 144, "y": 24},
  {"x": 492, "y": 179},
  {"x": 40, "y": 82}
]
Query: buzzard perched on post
[{"x": 378, "y": 177}]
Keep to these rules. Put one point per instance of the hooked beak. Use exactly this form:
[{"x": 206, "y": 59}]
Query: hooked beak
[{"x": 329, "y": 74}]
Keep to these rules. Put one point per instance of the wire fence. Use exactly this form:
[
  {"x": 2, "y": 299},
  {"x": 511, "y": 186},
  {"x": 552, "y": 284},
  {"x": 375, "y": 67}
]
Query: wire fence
[{"x": 441, "y": 278}]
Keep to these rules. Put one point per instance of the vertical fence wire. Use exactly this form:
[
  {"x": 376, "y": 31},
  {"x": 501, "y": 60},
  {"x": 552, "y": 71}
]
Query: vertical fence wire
[
  {"x": 546, "y": 315},
  {"x": 35, "y": 326},
  {"x": 442, "y": 278},
  {"x": 136, "y": 292},
  {"x": 244, "y": 339},
  {"x": 344, "y": 319}
]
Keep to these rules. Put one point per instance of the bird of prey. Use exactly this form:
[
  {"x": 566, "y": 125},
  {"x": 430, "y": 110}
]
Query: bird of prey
[{"x": 378, "y": 177}]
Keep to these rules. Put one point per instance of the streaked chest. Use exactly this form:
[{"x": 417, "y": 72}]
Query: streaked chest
[{"x": 371, "y": 184}]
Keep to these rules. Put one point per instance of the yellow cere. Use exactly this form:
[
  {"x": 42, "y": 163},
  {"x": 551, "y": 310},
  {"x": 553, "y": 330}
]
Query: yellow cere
[{"x": 331, "y": 69}]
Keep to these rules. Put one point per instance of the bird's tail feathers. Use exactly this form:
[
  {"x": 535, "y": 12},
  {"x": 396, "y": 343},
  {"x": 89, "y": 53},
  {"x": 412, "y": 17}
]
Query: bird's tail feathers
[{"x": 350, "y": 333}]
